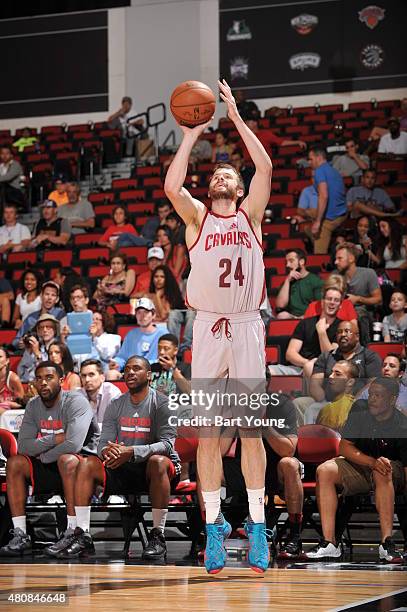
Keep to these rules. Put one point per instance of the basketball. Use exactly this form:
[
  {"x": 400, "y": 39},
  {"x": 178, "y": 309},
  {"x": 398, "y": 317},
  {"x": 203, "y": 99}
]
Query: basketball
[{"x": 192, "y": 103}]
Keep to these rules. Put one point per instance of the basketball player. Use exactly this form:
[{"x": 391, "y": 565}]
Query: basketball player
[{"x": 226, "y": 287}]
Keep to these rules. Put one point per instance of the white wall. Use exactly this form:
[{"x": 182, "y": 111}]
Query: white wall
[{"x": 156, "y": 44}]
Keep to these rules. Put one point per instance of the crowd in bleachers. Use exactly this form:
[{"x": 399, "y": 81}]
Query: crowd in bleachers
[{"x": 335, "y": 322}]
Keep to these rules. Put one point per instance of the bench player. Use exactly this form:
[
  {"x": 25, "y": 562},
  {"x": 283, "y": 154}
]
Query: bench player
[{"x": 226, "y": 287}]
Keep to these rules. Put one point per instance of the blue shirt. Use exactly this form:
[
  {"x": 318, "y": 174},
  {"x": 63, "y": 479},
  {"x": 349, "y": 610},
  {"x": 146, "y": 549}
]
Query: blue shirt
[
  {"x": 139, "y": 343},
  {"x": 308, "y": 198},
  {"x": 336, "y": 206}
]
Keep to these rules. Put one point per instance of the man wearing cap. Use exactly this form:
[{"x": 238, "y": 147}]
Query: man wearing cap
[
  {"x": 395, "y": 142},
  {"x": 155, "y": 257},
  {"x": 141, "y": 341},
  {"x": 50, "y": 230},
  {"x": 36, "y": 346},
  {"x": 49, "y": 305}
]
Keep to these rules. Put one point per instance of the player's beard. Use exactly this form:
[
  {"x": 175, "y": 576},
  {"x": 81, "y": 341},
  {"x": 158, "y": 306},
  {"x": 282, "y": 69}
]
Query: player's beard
[{"x": 226, "y": 194}]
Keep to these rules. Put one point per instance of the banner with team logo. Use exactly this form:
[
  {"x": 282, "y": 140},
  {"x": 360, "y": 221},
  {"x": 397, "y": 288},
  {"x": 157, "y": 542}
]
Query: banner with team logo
[{"x": 272, "y": 48}]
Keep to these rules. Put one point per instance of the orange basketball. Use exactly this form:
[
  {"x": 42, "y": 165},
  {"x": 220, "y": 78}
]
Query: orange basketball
[{"x": 192, "y": 103}]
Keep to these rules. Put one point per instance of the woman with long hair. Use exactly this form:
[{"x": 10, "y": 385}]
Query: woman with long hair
[
  {"x": 11, "y": 389},
  {"x": 391, "y": 244},
  {"x": 29, "y": 299},
  {"x": 221, "y": 149},
  {"x": 165, "y": 293},
  {"x": 121, "y": 225},
  {"x": 175, "y": 255},
  {"x": 118, "y": 284},
  {"x": 60, "y": 354},
  {"x": 364, "y": 238}
]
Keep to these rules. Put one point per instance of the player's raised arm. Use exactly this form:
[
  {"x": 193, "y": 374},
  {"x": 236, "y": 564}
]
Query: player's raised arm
[
  {"x": 186, "y": 206},
  {"x": 259, "y": 193}
]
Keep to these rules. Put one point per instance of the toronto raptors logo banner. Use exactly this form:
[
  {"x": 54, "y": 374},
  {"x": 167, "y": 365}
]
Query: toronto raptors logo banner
[{"x": 278, "y": 48}]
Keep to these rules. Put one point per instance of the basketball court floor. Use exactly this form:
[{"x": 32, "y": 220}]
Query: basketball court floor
[{"x": 106, "y": 582}]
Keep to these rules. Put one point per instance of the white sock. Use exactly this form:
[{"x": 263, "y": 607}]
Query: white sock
[
  {"x": 212, "y": 505},
  {"x": 83, "y": 517},
  {"x": 256, "y": 505},
  {"x": 159, "y": 518},
  {"x": 71, "y": 522},
  {"x": 20, "y": 522}
]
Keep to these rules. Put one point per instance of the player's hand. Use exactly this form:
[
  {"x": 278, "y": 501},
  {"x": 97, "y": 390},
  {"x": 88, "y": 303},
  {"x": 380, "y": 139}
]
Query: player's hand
[
  {"x": 315, "y": 228},
  {"x": 197, "y": 130},
  {"x": 383, "y": 466},
  {"x": 227, "y": 97},
  {"x": 123, "y": 455}
]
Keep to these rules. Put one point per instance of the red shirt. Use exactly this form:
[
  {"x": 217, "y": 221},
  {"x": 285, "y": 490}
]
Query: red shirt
[
  {"x": 267, "y": 139},
  {"x": 346, "y": 312},
  {"x": 115, "y": 230},
  {"x": 143, "y": 282}
]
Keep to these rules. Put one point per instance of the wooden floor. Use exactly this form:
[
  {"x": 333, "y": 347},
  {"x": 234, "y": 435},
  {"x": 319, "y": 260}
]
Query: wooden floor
[{"x": 117, "y": 586}]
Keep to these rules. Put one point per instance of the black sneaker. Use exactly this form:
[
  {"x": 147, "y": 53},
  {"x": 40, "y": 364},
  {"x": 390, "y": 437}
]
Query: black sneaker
[
  {"x": 156, "y": 547},
  {"x": 81, "y": 543},
  {"x": 63, "y": 542},
  {"x": 291, "y": 549},
  {"x": 324, "y": 551},
  {"x": 19, "y": 545},
  {"x": 388, "y": 552}
]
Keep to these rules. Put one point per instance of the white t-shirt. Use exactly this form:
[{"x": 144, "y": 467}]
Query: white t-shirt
[
  {"x": 27, "y": 308},
  {"x": 398, "y": 145},
  {"x": 16, "y": 233}
]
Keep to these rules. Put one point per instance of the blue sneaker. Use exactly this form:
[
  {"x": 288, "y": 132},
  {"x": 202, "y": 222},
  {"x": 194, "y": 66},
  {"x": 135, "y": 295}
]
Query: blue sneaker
[
  {"x": 259, "y": 554},
  {"x": 215, "y": 553}
]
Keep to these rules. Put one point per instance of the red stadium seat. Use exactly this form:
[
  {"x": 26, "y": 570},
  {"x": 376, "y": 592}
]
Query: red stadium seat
[
  {"x": 9, "y": 447},
  {"x": 187, "y": 357},
  {"x": 123, "y": 330},
  {"x": 104, "y": 196},
  {"x": 283, "y": 244},
  {"x": 383, "y": 348},
  {"x": 133, "y": 194},
  {"x": 297, "y": 186},
  {"x": 94, "y": 254},
  {"x": 14, "y": 258},
  {"x": 272, "y": 354},
  {"x": 277, "y": 281},
  {"x": 125, "y": 309},
  {"x": 317, "y": 443},
  {"x": 64, "y": 258},
  {"x": 285, "y": 384},
  {"x": 149, "y": 171},
  {"x": 14, "y": 361},
  {"x": 86, "y": 239},
  {"x": 130, "y": 183},
  {"x": 285, "y": 327},
  {"x": 7, "y": 336},
  {"x": 280, "y": 229},
  {"x": 120, "y": 385}
]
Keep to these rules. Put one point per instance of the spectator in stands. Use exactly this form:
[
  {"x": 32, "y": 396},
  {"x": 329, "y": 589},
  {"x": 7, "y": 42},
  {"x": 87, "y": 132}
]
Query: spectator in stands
[
  {"x": 60, "y": 354},
  {"x": 36, "y": 345},
  {"x": 117, "y": 285},
  {"x": 78, "y": 212},
  {"x": 142, "y": 340},
  {"x": 336, "y": 145},
  {"x": 120, "y": 228},
  {"x": 341, "y": 383},
  {"x": 366, "y": 199},
  {"x": 393, "y": 367},
  {"x": 247, "y": 108},
  {"x": 79, "y": 301},
  {"x": 165, "y": 293},
  {"x": 246, "y": 172},
  {"x": 308, "y": 202},
  {"x": 105, "y": 343},
  {"x": 6, "y": 297},
  {"x": 168, "y": 375},
  {"x": 391, "y": 245},
  {"x": 14, "y": 236},
  {"x": 66, "y": 277},
  {"x": 28, "y": 300},
  {"x": 373, "y": 453},
  {"x": 149, "y": 231},
  {"x": 129, "y": 465},
  {"x": 175, "y": 255},
  {"x": 346, "y": 312},
  {"x": 395, "y": 325},
  {"x": 119, "y": 121},
  {"x": 59, "y": 194},
  {"x": 11, "y": 389},
  {"x": 362, "y": 285},
  {"x": 10, "y": 179},
  {"x": 364, "y": 239},
  {"x": 331, "y": 208},
  {"x": 49, "y": 305},
  {"x": 155, "y": 256},
  {"x": 351, "y": 163},
  {"x": 393, "y": 144},
  {"x": 97, "y": 391},
  {"x": 221, "y": 149},
  {"x": 201, "y": 152},
  {"x": 25, "y": 140},
  {"x": 299, "y": 289},
  {"x": 46, "y": 458},
  {"x": 269, "y": 139},
  {"x": 50, "y": 231},
  {"x": 177, "y": 227},
  {"x": 311, "y": 337}
]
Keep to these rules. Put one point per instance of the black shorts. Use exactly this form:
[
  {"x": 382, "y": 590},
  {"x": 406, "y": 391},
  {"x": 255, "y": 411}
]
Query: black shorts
[
  {"x": 131, "y": 478},
  {"x": 234, "y": 480},
  {"x": 45, "y": 477}
]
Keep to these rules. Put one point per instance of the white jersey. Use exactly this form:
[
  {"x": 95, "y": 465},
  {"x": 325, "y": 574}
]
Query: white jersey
[{"x": 227, "y": 268}]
